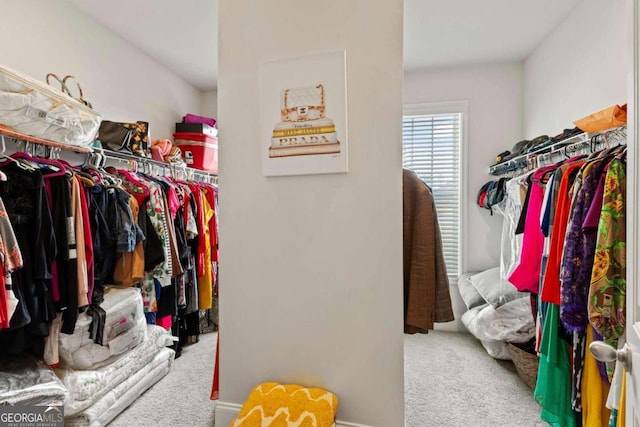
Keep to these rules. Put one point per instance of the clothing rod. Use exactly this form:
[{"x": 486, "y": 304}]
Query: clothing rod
[
  {"x": 533, "y": 160},
  {"x": 10, "y": 133},
  {"x": 521, "y": 160},
  {"x": 6, "y": 132},
  {"x": 136, "y": 159},
  {"x": 594, "y": 141}
]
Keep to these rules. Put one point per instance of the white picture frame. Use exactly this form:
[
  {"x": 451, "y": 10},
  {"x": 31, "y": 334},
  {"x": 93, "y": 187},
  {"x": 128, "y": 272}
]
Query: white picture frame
[{"x": 303, "y": 108}]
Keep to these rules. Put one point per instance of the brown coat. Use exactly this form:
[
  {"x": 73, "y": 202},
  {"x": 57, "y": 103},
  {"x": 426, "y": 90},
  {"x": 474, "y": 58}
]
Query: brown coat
[{"x": 426, "y": 284}]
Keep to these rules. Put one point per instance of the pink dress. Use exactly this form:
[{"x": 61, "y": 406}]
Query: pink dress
[
  {"x": 526, "y": 275},
  {"x": 551, "y": 282}
]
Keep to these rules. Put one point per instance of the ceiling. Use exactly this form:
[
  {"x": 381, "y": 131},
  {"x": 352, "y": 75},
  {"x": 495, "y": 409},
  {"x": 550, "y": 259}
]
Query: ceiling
[
  {"x": 183, "y": 35},
  {"x": 447, "y": 33}
]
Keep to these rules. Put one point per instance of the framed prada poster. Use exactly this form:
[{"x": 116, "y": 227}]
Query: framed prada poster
[{"x": 303, "y": 107}]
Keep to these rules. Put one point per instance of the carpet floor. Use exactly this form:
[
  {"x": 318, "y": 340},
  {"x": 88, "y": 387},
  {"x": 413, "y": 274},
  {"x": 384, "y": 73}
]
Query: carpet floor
[
  {"x": 450, "y": 381},
  {"x": 182, "y": 397}
]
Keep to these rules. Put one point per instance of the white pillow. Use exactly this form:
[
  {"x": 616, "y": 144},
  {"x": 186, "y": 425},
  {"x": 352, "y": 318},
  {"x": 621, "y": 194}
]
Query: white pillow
[
  {"x": 468, "y": 292},
  {"x": 493, "y": 289}
]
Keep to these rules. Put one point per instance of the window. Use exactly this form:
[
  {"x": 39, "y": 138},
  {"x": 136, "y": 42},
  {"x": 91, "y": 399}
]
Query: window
[{"x": 431, "y": 148}]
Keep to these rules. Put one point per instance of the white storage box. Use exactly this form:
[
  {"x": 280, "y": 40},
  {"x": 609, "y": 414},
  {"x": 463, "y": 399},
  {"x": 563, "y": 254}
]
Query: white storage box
[{"x": 35, "y": 108}]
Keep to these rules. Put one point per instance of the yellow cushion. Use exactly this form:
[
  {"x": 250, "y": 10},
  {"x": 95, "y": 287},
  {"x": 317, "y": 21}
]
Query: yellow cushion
[{"x": 287, "y": 405}]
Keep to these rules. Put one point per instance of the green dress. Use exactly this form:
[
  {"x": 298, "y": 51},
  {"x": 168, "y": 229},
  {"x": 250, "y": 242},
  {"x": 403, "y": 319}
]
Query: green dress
[{"x": 553, "y": 387}]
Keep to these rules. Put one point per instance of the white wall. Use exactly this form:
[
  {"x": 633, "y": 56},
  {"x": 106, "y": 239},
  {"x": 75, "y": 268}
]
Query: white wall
[
  {"x": 494, "y": 95},
  {"x": 122, "y": 83},
  {"x": 311, "y": 272},
  {"x": 579, "y": 69},
  {"x": 209, "y": 104}
]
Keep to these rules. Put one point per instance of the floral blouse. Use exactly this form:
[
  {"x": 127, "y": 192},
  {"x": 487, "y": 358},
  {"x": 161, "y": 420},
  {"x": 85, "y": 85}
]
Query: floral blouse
[
  {"x": 608, "y": 279},
  {"x": 162, "y": 272},
  {"x": 10, "y": 255}
]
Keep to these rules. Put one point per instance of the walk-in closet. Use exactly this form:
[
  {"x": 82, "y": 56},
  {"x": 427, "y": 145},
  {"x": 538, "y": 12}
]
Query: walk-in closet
[{"x": 346, "y": 214}]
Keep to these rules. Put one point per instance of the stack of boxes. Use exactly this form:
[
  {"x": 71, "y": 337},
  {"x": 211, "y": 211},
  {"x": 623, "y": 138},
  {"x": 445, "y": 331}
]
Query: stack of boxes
[{"x": 199, "y": 145}]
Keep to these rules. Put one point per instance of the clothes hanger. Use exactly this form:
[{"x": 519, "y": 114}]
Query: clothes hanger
[
  {"x": 623, "y": 155},
  {"x": 97, "y": 178},
  {"x": 109, "y": 176},
  {"x": 92, "y": 166},
  {"x": 67, "y": 165},
  {"x": 135, "y": 180},
  {"x": 3, "y": 176},
  {"x": 10, "y": 159},
  {"x": 53, "y": 165},
  {"x": 110, "y": 180},
  {"x": 87, "y": 181}
]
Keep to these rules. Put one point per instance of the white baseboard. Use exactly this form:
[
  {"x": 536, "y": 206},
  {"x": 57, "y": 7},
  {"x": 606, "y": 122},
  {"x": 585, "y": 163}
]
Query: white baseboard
[
  {"x": 347, "y": 424},
  {"x": 226, "y": 412}
]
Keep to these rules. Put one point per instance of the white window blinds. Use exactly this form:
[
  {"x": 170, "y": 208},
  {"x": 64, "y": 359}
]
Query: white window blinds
[{"x": 431, "y": 148}]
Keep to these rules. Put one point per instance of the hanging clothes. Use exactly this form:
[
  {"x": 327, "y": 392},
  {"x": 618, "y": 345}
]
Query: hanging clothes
[
  {"x": 607, "y": 294},
  {"x": 551, "y": 283},
  {"x": 553, "y": 387},
  {"x": 526, "y": 275},
  {"x": 79, "y": 229},
  {"x": 205, "y": 282},
  {"x": 129, "y": 265},
  {"x": 426, "y": 284},
  {"x": 579, "y": 248},
  {"x": 594, "y": 391},
  {"x": 510, "y": 242},
  {"x": 212, "y": 199},
  {"x": 160, "y": 275},
  {"x": 87, "y": 238},
  {"x": 27, "y": 207},
  {"x": 576, "y": 217},
  {"x": 82, "y": 277},
  {"x": 10, "y": 261}
]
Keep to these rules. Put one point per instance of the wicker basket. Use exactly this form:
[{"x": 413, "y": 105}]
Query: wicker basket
[{"x": 526, "y": 364}]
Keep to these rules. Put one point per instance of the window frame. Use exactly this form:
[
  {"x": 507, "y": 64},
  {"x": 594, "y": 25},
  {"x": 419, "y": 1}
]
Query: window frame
[{"x": 462, "y": 108}]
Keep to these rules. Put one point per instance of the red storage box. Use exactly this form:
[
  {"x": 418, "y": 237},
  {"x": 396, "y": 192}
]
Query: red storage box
[{"x": 199, "y": 151}]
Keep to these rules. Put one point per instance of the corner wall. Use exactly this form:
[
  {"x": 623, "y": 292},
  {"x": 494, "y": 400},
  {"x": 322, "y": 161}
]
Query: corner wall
[
  {"x": 311, "y": 271},
  {"x": 580, "y": 68},
  {"x": 122, "y": 83},
  {"x": 209, "y": 104}
]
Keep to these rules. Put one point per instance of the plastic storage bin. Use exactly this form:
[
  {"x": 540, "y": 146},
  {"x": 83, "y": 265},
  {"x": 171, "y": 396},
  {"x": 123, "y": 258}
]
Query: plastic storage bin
[{"x": 199, "y": 151}]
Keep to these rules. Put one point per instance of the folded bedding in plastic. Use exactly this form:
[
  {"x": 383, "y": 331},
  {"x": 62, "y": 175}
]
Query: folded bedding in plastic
[
  {"x": 105, "y": 409},
  {"x": 34, "y": 108},
  {"x": 25, "y": 381},
  {"x": 124, "y": 328},
  {"x": 494, "y": 327},
  {"x": 86, "y": 387}
]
